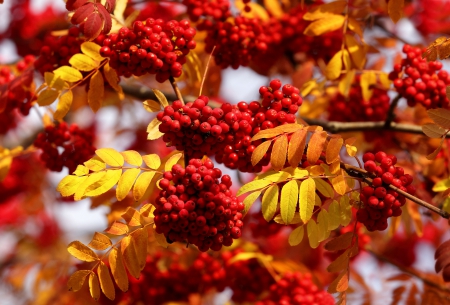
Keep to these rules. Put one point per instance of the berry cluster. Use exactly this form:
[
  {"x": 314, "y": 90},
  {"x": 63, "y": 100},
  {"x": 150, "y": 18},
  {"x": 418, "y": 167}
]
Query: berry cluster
[
  {"x": 379, "y": 201},
  {"x": 56, "y": 51},
  {"x": 226, "y": 132},
  {"x": 355, "y": 109},
  {"x": 419, "y": 81},
  {"x": 196, "y": 208},
  {"x": 217, "y": 10},
  {"x": 262, "y": 228},
  {"x": 246, "y": 278},
  {"x": 75, "y": 143},
  {"x": 152, "y": 46},
  {"x": 296, "y": 289}
]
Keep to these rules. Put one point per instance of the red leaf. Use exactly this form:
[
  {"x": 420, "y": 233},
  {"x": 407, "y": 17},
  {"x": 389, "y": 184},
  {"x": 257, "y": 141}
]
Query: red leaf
[
  {"x": 107, "y": 21},
  {"x": 444, "y": 247},
  {"x": 3, "y": 97},
  {"x": 93, "y": 26},
  {"x": 446, "y": 274},
  {"x": 110, "y": 5},
  {"x": 82, "y": 13},
  {"x": 72, "y": 5}
]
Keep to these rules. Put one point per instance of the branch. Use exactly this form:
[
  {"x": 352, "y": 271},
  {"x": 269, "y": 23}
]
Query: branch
[
  {"x": 381, "y": 26},
  {"x": 390, "y": 115},
  {"x": 176, "y": 89},
  {"x": 336, "y": 127},
  {"x": 362, "y": 173}
]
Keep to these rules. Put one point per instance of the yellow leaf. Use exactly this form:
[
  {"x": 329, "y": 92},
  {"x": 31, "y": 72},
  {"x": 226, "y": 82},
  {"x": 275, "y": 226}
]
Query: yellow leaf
[
  {"x": 147, "y": 210},
  {"x": 111, "y": 77},
  {"x": 346, "y": 211},
  {"x": 151, "y": 106},
  {"x": 296, "y": 236},
  {"x": 117, "y": 228},
  {"x": 325, "y": 10},
  {"x": 96, "y": 91},
  {"x": 100, "y": 241},
  {"x": 354, "y": 26},
  {"x": 54, "y": 82},
  {"x": 64, "y": 104},
  {"x": 333, "y": 149},
  {"x": 322, "y": 225},
  {"x": 274, "y": 176},
  {"x": 141, "y": 185},
  {"x": 76, "y": 280},
  {"x": 307, "y": 199},
  {"x": 341, "y": 242},
  {"x": 274, "y": 8},
  {"x": 172, "y": 161},
  {"x": 334, "y": 67},
  {"x": 315, "y": 146},
  {"x": 253, "y": 186},
  {"x": 68, "y": 74},
  {"x": 441, "y": 185},
  {"x": 395, "y": 9},
  {"x": 433, "y": 131},
  {"x": 308, "y": 87},
  {"x": 69, "y": 185},
  {"x": 152, "y": 161},
  {"x": 132, "y": 157},
  {"x": 118, "y": 269},
  {"x": 47, "y": 97},
  {"x": 297, "y": 147},
  {"x": 83, "y": 62},
  {"x": 367, "y": 79},
  {"x": 339, "y": 184},
  {"x": 126, "y": 182},
  {"x": 384, "y": 80},
  {"x": 110, "y": 156},
  {"x": 5, "y": 165},
  {"x": 132, "y": 217},
  {"x": 162, "y": 241},
  {"x": 279, "y": 152},
  {"x": 334, "y": 215},
  {"x": 140, "y": 237},
  {"x": 288, "y": 201},
  {"x": 313, "y": 234},
  {"x": 249, "y": 200},
  {"x": 270, "y": 202},
  {"x": 440, "y": 116},
  {"x": 94, "y": 286},
  {"x": 324, "y": 188},
  {"x": 267, "y": 133},
  {"x": 351, "y": 150},
  {"x": 322, "y": 26},
  {"x": 161, "y": 97},
  {"x": 296, "y": 220},
  {"x": 95, "y": 164},
  {"x": 104, "y": 184},
  {"x": 260, "y": 151},
  {"x": 81, "y": 251},
  {"x": 357, "y": 52},
  {"x": 106, "y": 282},
  {"x": 153, "y": 130},
  {"x": 92, "y": 50},
  {"x": 346, "y": 82},
  {"x": 339, "y": 284},
  {"x": 130, "y": 257}
]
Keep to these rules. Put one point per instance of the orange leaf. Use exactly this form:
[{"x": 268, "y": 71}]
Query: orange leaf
[
  {"x": 340, "y": 243},
  {"x": 130, "y": 257},
  {"x": 76, "y": 280},
  {"x": 81, "y": 251},
  {"x": 297, "y": 147},
  {"x": 118, "y": 269},
  {"x": 340, "y": 283},
  {"x": 94, "y": 287},
  {"x": 100, "y": 241},
  {"x": 260, "y": 151},
  {"x": 140, "y": 237},
  {"x": 117, "y": 228},
  {"x": 106, "y": 282},
  {"x": 333, "y": 149},
  {"x": 132, "y": 217},
  {"x": 395, "y": 9},
  {"x": 279, "y": 151},
  {"x": 316, "y": 146}
]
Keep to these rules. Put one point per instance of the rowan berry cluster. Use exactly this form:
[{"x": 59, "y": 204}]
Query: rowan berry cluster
[
  {"x": 17, "y": 92},
  {"x": 56, "y": 51},
  {"x": 65, "y": 146},
  {"x": 355, "y": 109},
  {"x": 151, "y": 46},
  {"x": 419, "y": 81},
  {"x": 262, "y": 228},
  {"x": 248, "y": 279},
  {"x": 194, "y": 207},
  {"x": 217, "y": 10},
  {"x": 234, "y": 43},
  {"x": 379, "y": 201},
  {"x": 296, "y": 289}
]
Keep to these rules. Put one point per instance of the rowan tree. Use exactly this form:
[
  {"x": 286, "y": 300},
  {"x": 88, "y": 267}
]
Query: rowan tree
[{"x": 341, "y": 160}]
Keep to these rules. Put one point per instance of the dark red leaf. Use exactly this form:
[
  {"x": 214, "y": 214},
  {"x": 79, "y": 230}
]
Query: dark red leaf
[
  {"x": 110, "y": 5},
  {"x": 82, "y": 13},
  {"x": 93, "y": 26},
  {"x": 106, "y": 16},
  {"x": 72, "y": 5},
  {"x": 444, "y": 247},
  {"x": 442, "y": 261},
  {"x": 446, "y": 274}
]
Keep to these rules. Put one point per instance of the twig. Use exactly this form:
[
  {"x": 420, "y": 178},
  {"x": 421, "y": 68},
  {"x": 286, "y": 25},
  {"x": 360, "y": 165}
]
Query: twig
[
  {"x": 381, "y": 26},
  {"x": 359, "y": 172},
  {"x": 390, "y": 115},
  {"x": 206, "y": 71},
  {"x": 336, "y": 127},
  {"x": 176, "y": 89},
  {"x": 410, "y": 271}
]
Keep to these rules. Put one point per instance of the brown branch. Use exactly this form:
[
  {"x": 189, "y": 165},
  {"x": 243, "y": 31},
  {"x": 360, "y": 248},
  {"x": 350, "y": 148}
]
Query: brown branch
[
  {"x": 410, "y": 271},
  {"x": 378, "y": 23},
  {"x": 336, "y": 127},
  {"x": 176, "y": 89},
  {"x": 390, "y": 115},
  {"x": 362, "y": 173}
]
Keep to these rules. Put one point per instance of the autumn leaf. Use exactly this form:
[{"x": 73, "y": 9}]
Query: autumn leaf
[
  {"x": 126, "y": 182},
  {"x": 96, "y": 91},
  {"x": 270, "y": 202},
  {"x": 279, "y": 152},
  {"x": 100, "y": 241},
  {"x": 77, "y": 279},
  {"x": 325, "y": 25},
  {"x": 395, "y": 9},
  {"x": 288, "y": 201},
  {"x": 82, "y": 252},
  {"x": 296, "y": 236},
  {"x": 118, "y": 269},
  {"x": 152, "y": 161},
  {"x": 307, "y": 199},
  {"x": 260, "y": 151},
  {"x": 132, "y": 157},
  {"x": 64, "y": 104},
  {"x": 106, "y": 282}
]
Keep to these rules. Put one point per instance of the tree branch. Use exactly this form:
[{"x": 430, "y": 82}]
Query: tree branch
[
  {"x": 390, "y": 115},
  {"x": 336, "y": 127},
  {"x": 176, "y": 89}
]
